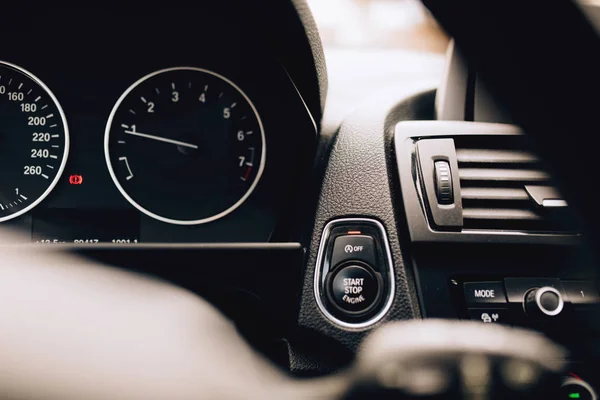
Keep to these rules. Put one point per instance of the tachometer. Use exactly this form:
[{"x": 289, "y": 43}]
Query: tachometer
[
  {"x": 185, "y": 145},
  {"x": 34, "y": 141}
]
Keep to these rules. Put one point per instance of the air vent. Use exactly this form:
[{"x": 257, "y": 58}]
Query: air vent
[{"x": 504, "y": 187}]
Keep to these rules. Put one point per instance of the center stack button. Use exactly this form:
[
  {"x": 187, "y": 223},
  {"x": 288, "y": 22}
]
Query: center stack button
[
  {"x": 354, "y": 247},
  {"x": 354, "y": 272},
  {"x": 354, "y": 289},
  {"x": 484, "y": 293}
]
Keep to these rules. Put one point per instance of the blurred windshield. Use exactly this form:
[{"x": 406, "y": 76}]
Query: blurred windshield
[
  {"x": 383, "y": 24},
  {"x": 377, "y": 49}
]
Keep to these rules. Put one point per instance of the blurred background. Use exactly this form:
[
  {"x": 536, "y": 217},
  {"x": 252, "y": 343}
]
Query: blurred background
[
  {"x": 399, "y": 24},
  {"x": 376, "y": 50}
]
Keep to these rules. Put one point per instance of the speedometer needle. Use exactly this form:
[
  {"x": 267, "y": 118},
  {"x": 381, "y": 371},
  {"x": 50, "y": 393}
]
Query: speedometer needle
[{"x": 162, "y": 139}]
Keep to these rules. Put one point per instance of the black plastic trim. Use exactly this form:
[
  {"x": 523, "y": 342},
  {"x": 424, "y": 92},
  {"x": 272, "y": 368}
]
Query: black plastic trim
[{"x": 157, "y": 246}]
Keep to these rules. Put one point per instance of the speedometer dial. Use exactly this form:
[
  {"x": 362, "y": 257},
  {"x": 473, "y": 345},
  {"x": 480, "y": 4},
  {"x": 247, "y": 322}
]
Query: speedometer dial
[
  {"x": 34, "y": 141},
  {"x": 185, "y": 145}
]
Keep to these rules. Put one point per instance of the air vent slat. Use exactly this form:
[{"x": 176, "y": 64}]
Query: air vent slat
[
  {"x": 494, "y": 172},
  {"x": 502, "y": 175},
  {"x": 492, "y": 193},
  {"x": 500, "y": 213},
  {"x": 495, "y": 156}
]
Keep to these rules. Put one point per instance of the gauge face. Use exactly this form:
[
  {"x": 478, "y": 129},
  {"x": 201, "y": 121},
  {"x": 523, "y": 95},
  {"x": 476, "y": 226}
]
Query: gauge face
[
  {"x": 185, "y": 145},
  {"x": 34, "y": 141}
]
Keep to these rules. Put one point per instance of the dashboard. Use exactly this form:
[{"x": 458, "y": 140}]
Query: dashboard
[
  {"x": 156, "y": 129},
  {"x": 190, "y": 144}
]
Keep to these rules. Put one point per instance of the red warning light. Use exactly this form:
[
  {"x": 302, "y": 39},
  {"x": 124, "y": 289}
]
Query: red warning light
[{"x": 75, "y": 179}]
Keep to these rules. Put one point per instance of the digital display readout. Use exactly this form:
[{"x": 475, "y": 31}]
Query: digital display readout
[{"x": 69, "y": 226}]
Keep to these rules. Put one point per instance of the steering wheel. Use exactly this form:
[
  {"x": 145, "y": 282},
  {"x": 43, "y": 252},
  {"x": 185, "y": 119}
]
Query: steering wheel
[{"x": 73, "y": 329}]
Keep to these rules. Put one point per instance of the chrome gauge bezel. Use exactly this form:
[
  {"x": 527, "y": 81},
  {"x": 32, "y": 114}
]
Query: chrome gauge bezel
[
  {"x": 65, "y": 155},
  {"x": 170, "y": 220}
]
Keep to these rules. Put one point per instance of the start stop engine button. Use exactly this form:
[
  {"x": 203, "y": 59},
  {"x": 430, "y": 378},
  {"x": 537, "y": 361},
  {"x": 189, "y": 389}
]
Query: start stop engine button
[{"x": 354, "y": 289}]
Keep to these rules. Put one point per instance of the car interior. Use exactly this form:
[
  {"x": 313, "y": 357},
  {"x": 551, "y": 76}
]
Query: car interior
[{"x": 200, "y": 202}]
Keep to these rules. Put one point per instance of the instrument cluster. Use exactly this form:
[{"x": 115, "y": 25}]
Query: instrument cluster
[{"x": 190, "y": 140}]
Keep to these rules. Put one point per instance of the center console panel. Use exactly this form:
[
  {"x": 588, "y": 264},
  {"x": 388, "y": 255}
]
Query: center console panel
[{"x": 491, "y": 239}]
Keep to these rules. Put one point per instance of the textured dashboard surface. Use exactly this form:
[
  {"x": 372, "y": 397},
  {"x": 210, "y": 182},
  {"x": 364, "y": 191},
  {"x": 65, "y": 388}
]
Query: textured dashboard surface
[{"x": 359, "y": 182}]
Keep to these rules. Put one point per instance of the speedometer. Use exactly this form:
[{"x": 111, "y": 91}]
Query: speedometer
[
  {"x": 34, "y": 141},
  {"x": 185, "y": 145}
]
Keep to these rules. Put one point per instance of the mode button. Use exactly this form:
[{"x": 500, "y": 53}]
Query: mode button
[{"x": 478, "y": 293}]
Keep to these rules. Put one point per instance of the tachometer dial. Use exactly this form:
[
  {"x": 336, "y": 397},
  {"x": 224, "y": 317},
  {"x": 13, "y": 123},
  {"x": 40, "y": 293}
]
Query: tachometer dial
[
  {"x": 185, "y": 145},
  {"x": 34, "y": 141}
]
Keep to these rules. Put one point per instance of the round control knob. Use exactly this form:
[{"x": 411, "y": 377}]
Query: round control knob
[
  {"x": 544, "y": 302},
  {"x": 573, "y": 388},
  {"x": 354, "y": 289}
]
